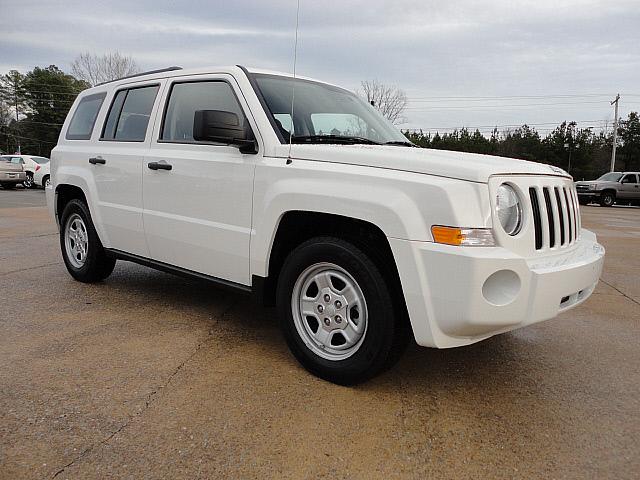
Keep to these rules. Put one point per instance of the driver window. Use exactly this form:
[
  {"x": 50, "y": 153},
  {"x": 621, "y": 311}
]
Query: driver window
[
  {"x": 629, "y": 179},
  {"x": 187, "y": 97}
]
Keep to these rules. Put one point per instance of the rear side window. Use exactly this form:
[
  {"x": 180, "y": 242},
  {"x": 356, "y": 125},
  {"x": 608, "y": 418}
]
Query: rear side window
[
  {"x": 40, "y": 160},
  {"x": 129, "y": 114},
  {"x": 186, "y": 98},
  {"x": 84, "y": 118}
]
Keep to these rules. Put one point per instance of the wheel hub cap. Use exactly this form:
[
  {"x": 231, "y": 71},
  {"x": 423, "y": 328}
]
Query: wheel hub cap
[
  {"x": 329, "y": 311},
  {"x": 76, "y": 240}
]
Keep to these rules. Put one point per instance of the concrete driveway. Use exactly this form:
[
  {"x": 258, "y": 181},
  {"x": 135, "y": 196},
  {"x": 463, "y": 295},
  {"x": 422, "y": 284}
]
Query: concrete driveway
[{"x": 150, "y": 376}]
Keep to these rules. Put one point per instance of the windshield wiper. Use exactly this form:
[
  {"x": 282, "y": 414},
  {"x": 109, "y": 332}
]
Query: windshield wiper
[
  {"x": 333, "y": 139},
  {"x": 400, "y": 142}
]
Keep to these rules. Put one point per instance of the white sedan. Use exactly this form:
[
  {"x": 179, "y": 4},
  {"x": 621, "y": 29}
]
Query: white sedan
[{"x": 41, "y": 176}]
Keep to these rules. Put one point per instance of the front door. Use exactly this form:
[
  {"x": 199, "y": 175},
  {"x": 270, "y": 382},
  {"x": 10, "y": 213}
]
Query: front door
[
  {"x": 629, "y": 187},
  {"x": 197, "y": 196}
]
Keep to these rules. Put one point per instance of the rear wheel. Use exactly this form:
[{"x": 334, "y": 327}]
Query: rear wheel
[
  {"x": 82, "y": 251},
  {"x": 28, "y": 182},
  {"x": 46, "y": 181},
  {"x": 337, "y": 313},
  {"x": 607, "y": 199}
]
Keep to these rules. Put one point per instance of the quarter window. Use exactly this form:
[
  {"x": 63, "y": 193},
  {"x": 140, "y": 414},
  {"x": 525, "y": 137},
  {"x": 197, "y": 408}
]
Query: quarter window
[
  {"x": 129, "y": 114},
  {"x": 186, "y": 98},
  {"x": 84, "y": 118}
]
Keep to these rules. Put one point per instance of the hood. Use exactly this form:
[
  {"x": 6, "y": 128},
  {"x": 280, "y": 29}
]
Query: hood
[
  {"x": 588, "y": 182},
  {"x": 464, "y": 166}
]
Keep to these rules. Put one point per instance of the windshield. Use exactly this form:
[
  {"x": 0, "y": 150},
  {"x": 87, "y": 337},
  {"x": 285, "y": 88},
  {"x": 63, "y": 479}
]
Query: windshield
[
  {"x": 610, "y": 177},
  {"x": 323, "y": 113}
]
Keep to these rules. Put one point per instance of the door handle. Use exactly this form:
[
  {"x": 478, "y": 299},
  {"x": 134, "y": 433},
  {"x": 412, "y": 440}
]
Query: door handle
[
  {"x": 161, "y": 165},
  {"x": 96, "y": 160}
]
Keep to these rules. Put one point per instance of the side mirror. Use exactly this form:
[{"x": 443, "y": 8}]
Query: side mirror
[{"x": 223, "y": 127}]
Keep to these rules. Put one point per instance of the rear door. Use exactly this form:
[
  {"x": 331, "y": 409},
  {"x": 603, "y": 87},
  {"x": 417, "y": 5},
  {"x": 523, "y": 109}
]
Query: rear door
[
  {"x": 197, "y": 215},
  {"x": 116, "y": 164},
  {"x": 629, "y": 188}
]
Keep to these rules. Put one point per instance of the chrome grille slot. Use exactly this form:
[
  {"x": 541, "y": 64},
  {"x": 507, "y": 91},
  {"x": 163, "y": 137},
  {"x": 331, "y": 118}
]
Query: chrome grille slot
[
  {"x": 537, "y": 223},
  {"x": 555, "y": 214},
  {"x": 550, "y": 217},
  {"x": 561, "y": 212}
]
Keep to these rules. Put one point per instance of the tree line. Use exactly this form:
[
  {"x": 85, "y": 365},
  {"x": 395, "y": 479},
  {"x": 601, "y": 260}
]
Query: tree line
[
  {"x": 585, "y": 154},
  {"x": 33, "y": 107}
]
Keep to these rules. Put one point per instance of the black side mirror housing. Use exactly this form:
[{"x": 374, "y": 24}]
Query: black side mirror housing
[{"x": 223, "y": 127}]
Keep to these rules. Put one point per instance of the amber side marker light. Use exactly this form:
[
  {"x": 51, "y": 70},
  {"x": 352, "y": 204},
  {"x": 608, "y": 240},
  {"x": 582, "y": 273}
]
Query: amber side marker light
[{"x": 471, "y": 237}]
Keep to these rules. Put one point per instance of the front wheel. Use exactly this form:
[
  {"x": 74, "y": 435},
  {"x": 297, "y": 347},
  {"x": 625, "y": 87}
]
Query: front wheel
[
  {"x": 82, "y": 251},
  {"x": 337, "y": 313},
  {"x": 607, "y": 199},
  {"x": 8, "y": 186}
]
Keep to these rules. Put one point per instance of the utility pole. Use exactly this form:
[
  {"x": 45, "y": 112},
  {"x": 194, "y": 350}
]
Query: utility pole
[{"x": 615, "y": 133}]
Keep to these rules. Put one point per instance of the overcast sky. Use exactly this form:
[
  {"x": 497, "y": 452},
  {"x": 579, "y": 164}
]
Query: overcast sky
[{"x": 553, "y": 60}]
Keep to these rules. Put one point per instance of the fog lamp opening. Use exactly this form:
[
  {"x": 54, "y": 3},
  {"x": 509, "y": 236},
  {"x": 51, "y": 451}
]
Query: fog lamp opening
[{"x": 502, "y": 287}]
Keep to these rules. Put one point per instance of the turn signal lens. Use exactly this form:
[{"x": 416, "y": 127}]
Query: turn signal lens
[{"x": 472, "y": 237}]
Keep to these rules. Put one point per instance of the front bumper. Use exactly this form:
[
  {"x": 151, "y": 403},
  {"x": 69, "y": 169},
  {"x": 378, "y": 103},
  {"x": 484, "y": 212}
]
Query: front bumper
[
  {"x": 588, "y": 194},
  {"x": 460, "y": 295}
]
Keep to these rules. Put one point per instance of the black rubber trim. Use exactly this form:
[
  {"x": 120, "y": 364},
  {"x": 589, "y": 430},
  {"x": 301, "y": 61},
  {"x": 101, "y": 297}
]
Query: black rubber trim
[
  {"x": 179, "y": 271},
  {"x": 141, "y": 74}
]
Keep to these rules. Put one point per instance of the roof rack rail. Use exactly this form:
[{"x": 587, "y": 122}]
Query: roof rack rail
[{"x": 160, "y": 70}]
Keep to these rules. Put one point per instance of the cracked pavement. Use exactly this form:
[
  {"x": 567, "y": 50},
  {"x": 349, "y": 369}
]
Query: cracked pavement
[{"x": 147, "y": 375}]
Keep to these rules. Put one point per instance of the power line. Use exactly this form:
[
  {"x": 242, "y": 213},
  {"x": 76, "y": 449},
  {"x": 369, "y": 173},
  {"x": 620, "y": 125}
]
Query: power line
[
  {"x": 28, "y": 138},
  {"x": 519, "y": 105}
]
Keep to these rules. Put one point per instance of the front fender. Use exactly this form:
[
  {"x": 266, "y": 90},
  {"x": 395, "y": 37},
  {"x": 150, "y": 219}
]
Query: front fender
[{"x": 403, "y": 205}]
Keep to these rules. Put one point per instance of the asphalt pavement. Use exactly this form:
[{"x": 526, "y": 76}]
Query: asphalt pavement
[{"x": 147, "y": 375}]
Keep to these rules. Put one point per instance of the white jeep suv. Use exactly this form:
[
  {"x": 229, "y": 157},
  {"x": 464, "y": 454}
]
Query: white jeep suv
[{"x": 300, "y": 192}]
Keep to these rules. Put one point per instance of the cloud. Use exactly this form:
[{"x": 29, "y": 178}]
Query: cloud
[{"x": 429, "y": 48}]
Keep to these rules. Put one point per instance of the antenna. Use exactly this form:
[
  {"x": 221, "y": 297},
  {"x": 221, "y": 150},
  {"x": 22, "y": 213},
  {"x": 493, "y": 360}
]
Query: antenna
[{"x": 293, "y": 85}]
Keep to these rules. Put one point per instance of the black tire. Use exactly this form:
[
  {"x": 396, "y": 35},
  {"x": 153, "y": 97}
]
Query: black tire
[
  {"x": 8, "y": 186},
  {"x": 386, "y": 333},
  {"x": 98, "y": 265},
  {"x": 583, "y": 201},
  {"x": 607, "y": 199},
  {"x": 45, "y": 179},
  {"x": 28, "y": 182}
]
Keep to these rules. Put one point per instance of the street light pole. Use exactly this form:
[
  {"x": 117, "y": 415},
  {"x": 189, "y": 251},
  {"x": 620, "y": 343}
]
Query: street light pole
[{"x": 615, "y": 134}]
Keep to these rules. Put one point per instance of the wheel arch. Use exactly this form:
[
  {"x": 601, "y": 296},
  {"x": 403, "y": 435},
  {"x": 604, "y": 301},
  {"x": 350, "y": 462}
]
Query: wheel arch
[{"x": 297, "y": 226}]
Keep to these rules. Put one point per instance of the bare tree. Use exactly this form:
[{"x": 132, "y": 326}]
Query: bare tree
[
  {"x": 389, "y": 100},
  {"x": 95, "y": 69}
]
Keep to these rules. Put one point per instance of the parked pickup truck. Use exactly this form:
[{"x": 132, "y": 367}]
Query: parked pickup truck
[
  {"x": 301, "y": 193},
  {"x": 610, "y": 188}
]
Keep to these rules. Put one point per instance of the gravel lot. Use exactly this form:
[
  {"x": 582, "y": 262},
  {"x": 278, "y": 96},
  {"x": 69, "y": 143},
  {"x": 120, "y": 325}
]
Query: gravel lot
[{"x": 150, "y": 376}]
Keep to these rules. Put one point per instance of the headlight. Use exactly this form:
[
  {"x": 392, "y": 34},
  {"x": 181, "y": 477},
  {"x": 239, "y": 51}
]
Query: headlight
[
  {"x": 509, "y": 209},
  {"x": 593, "y": 186}
]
